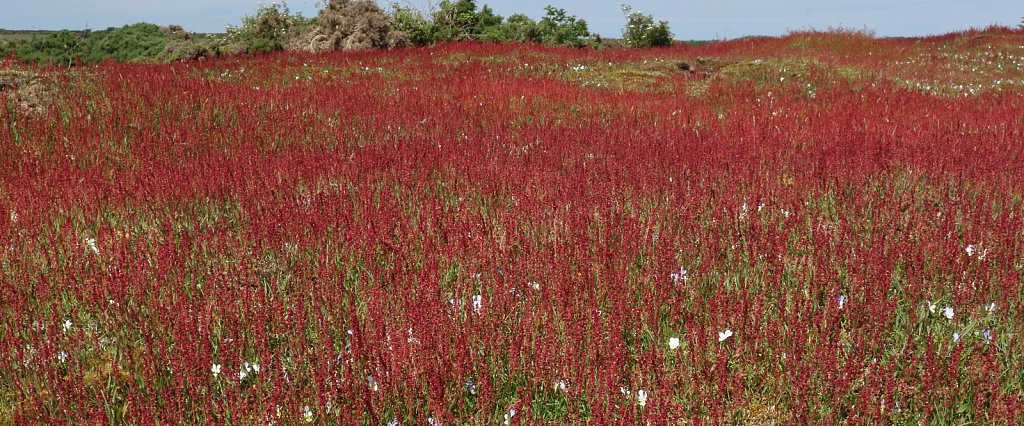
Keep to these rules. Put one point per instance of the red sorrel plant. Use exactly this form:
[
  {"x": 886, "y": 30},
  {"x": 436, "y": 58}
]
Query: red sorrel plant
[{"x": 482, "y": 234}]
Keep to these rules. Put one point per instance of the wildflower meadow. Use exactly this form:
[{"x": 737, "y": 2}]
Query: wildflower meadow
[{"x": 820, "y": 228}]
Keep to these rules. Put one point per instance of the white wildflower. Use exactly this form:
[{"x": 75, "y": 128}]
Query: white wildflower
[
  {"x": 680, "y": 277},
  {"x": 66, "y": 326},
  {"x": 90, "y": 243},
  {"x": 948, "y": 312},
  {"x": 215, "y": 369},
  {"x": 673, "y": 343},
  {"x": 641, "y": 397},
  {"x": 956, "y": 337},
  {"x": 724, "y": 335},
  {"x": 561, "y": 385},
  {"x": 990, "y": 307},
  {"x": 508, "y": 416},
  {"x": 62, "y": 357},
  {"x": 478, "y": 303},
  {"x": 842, "y": 301},
  {"x": 307, "y": 414}
]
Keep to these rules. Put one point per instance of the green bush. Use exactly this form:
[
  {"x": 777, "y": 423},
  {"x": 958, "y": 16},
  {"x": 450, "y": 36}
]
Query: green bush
[
  {"x": 270, "y": 29},
  {"x": 136, "y": 42},
  {"x": 418, "y": 28},
  {"x": 460, "y": 20},
  {"x": 521, "y": 28},
  {"x": 642, "y": 32},
  {"x": 559, "y": 28},
  {"x": 129, "y": 43}
]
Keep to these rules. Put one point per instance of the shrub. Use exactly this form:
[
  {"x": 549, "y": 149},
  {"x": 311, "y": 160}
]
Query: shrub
[
  {"x": 270, "y": 29},
  {"x": 358, "y": 25},
  {"x": 559, "y": 28},
  {"x": 455, "y": 20},
  {"x": 134, "y": 42},
  {"x": 417, "y": 27},
  {"x": 642, "y": 32},
  {"x": 129, "y": 43},
  {"x": 187, "y": 49},
  {"x": 522, "y": 28}
]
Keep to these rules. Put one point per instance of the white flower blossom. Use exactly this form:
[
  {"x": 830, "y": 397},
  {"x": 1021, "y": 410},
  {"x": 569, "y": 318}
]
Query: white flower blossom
[
  {"x": 561, "y": 385},
  {"x": 508, "y": 416},
  {"x": 307, "y": 414},
  {"x": 673, "y": 343},
  {"x": 948, "y": 312},
  {"x": 215, "y": 369},
  {"x": 90, "y": 243},
  {"x": 66, "y": 325},
  {"x": 478, "y": 303},
  {"x": 641, "y": 397},
  {"x": 724, "y": 335},
  {"x": 680, "y": 277}
]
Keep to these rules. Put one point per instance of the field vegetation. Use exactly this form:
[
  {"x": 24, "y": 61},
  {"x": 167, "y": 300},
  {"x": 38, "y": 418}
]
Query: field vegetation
[{"x": 820, "y": 228}]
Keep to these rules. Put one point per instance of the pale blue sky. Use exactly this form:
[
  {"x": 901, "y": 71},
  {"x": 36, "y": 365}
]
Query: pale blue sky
[{"x": 689, "y": 19}]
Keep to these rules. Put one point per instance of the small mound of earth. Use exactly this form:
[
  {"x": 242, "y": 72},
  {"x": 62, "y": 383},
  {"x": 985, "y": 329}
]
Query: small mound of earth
[{"x": 29, "y": 91}]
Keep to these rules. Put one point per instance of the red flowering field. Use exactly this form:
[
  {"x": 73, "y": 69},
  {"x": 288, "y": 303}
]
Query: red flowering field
[{"x": 821, "y": 228}]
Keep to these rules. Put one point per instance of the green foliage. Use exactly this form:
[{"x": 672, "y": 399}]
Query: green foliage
[
  {"x": 134, "y": 42},
  {"x": 642, "y": 32},
  {"x": 560, "y": 28},
  {"x": 268, "y": 30},
  {"x": 521, "y": 28},
  {"x": 461, "y": 20},
  {"x": 455, "y": 21},
  {"x": 127, "y": 43},
  {"x": 410, "y": 21}
]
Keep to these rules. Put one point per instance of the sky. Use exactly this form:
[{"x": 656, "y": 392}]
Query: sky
[{"x": 688, "y": 19}]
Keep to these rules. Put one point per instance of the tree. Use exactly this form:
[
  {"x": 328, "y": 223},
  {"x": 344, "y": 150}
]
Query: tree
[
  {"x": 642, "y": 32},
  {"x": 559, "y": 28}
]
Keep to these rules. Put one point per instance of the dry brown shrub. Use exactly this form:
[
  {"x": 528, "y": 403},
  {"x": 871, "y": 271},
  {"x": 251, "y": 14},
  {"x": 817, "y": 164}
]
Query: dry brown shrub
[{"x": 355, "y": 25}]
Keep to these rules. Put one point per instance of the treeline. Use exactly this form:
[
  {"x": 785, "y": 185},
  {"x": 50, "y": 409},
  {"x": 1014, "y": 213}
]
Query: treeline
[{"x": 340, "y": 25}]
